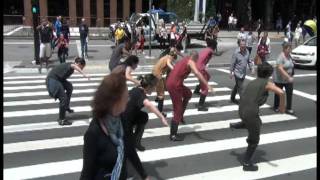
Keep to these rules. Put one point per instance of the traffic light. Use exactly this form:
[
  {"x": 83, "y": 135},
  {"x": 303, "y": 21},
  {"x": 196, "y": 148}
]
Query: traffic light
[{"x": 35, "y": 7}]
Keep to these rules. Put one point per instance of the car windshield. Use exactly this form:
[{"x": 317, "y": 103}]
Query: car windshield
[
  {"x": 134, "y": 17},
  {"x": 311, "y": 42}
]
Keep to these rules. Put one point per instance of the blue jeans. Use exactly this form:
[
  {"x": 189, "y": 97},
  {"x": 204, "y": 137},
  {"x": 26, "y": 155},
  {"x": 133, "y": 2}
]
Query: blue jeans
[{"x": 84, "y": 46}]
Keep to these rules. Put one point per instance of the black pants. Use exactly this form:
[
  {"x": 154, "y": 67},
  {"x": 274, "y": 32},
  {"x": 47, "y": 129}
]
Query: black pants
[
  {"x": 162, "y": 43},
  {"x": 237, "y": 87},
  {"x": 289, "y": 91},
  {"x": 61, "y": 90},
  {"x": 62, "y": 54},
  {"x": 136, "y": 124}
]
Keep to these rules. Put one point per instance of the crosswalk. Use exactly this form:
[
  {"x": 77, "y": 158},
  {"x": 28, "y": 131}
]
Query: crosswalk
[{"x": 36, "y": 147}]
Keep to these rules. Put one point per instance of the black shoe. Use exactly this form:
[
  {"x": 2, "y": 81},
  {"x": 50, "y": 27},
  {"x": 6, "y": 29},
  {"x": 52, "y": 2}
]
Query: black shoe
[
  {"x": 235, "y": 101},
  {"x": 250, "y": 167},
  {"x": 70, "y": 110},
  {"x": 175, "y": 138},
  {"x": 140, "y": 147},
  {"x": 164, "y": 114},
  {"x": 202, "y": 108},
  {"x": 231, "y": 126},
  {"x": 64, "y": 122},
  {"x": 157, "y": 99}
]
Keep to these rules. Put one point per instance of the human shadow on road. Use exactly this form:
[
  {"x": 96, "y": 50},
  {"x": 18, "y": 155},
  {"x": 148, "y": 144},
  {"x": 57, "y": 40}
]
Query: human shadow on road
[
  {"x": 258, "y": 157},
  {"x": 150, "y": 168}
]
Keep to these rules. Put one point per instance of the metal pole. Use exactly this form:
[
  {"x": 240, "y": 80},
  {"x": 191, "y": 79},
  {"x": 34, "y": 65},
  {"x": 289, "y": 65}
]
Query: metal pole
[{"x": 150, "y": 2}]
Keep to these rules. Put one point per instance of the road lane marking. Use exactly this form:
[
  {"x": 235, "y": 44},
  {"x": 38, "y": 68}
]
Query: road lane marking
[
  {"x": 295, "y": 92},
  {"x": 58, "y": 168},
  {"x": 80, "y": 75},
  {"x": 39, "y": 93},
  {"x": 89, "y": 98},
  {"x": 78, "y": 48},
  {"x": 149, "y": 133},
  {"x": 71, "y": 80},
  {"x": 283, "y": 166},
  {"x": 48, "y": 111}
]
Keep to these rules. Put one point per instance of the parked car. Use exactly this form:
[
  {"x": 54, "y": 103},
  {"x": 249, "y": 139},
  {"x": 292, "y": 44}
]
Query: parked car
[{"x": 305, "y": 54}]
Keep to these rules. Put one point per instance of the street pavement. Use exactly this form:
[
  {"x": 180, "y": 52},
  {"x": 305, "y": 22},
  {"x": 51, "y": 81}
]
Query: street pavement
[{"x": 36, "y": 147}]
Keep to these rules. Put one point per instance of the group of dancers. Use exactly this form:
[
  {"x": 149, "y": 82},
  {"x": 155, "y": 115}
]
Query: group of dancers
[{"x": 118, "y": 123}]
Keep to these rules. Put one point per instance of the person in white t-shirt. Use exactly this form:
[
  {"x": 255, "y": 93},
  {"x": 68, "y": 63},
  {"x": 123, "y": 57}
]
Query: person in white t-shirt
[
  {"x": 297, "y": 35},
  {"x": 241, "y": 36},
  {"x": 230, "y": 20}
]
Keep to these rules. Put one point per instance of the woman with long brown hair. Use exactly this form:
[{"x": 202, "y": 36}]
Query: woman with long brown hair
[{"x": 106, "y": 145}]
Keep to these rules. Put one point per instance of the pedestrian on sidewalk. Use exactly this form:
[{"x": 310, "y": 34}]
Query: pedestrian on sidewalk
[
  {"x": 241, "y": 36},
  {"x": 46, "y": 36},
  {"x": 255, "y": 95},
  {"x": 279, "y": 24},
  {"x": 297, "y": 35},
  {"x": 65, "y": 30},
  {"x": 133, "y": 118},
  {"x": 251, "y": 38},
  {"x": 230, "y": 20},
  {"x": 127, "y": 67},
  {"x": 204, "y": 57},
  {"x": 259, "y": 27},
  {"x": 179, "y": 93},
  {"x": 107, "y": 147},
  {"x": 163, "y": 35},
  {"x": 173, "y": 33},
  {"x": 283, "y": 77},
  {"x": 263, "y": 49},
  {"x": 121, "y": 51},
  {"x": 60, "y": 88},
  {"x": 238, "y": 67},
  {"x": 162, "y": 67},
  {"x": 183, "y": 38},
  {"x": 141, "y": 40},
  {"x": 84, "y": 35}
]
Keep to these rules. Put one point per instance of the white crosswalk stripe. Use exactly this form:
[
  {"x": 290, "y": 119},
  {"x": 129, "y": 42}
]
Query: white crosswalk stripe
[{"x": 30, "y": 128}]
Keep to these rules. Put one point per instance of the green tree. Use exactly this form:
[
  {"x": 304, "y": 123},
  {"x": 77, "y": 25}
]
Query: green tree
[{"x": 183, "y": 8}]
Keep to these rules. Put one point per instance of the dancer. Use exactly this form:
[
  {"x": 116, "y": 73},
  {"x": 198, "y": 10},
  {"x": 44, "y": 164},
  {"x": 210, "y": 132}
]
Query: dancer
[
  {"x": 255, "y": 95},
  {"x": 59, "y": 88},
  {"x": 160, "y": 68},
  {"x": 107, "y": 147},
  {"x": 133, "y": 116},
  {"x": 204, "y": 58},
  {"x": 180, "y": 94},
  {"x": 126, "y": 67}
]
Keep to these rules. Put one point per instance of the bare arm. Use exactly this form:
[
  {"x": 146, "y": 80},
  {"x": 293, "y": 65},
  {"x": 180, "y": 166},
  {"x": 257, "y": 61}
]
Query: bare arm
[
  {"x": 155, "y": 110},
  {"x": 195, "y": 71},
  {"x": 129, "y": 77},
  {"x": 169, "y": 64},
  {"x": 272, "y": 87},
  {"x": 75, "y": 67}
]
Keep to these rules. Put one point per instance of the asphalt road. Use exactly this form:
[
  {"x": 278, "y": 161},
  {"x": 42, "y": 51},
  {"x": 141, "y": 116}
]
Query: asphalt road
[
  {"x": 35, "y": 147},
  {"x": 19, "y": 52}
]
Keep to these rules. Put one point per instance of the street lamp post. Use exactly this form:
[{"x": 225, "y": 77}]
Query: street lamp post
[{"x": 149, "y": 57}]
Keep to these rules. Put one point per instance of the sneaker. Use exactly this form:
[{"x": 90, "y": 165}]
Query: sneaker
[
  {"x": 64, "y": 122},
  {"x": 175, "y": 138},
  {"x": 289, "y": 111},
  {"x": 202, "y": 108}
]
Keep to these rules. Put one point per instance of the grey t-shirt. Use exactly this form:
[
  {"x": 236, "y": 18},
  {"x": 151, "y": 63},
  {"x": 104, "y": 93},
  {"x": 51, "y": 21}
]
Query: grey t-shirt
[
  {"x": 287, "y": 66},
  {"x": 116, "y": 56}
]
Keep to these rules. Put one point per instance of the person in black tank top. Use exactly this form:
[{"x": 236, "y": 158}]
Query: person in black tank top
[
  {"x": 59, "y": 88},
  {"x": 255, "y": 95}
]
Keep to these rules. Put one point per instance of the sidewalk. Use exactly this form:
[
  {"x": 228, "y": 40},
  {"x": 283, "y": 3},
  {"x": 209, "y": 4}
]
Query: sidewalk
[{"x": 103, "y": 33}]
